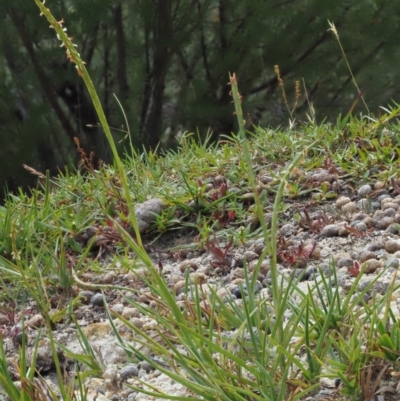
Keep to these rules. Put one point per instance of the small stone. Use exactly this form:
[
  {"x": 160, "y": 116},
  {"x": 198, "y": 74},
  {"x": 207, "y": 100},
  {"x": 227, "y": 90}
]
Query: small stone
[
  {"x": 369, "y": 222},
  {"x": 390, "y": 205},
  {"x": 379, "y": 185},
  {"x": 365, "y": 255},
  {"x": 375, "y": 205},
  {"x": 146, "y": 366},
  {"x": 345, "y": 262},
  {"x": 85, "y": 296},
  {"x": 376, "y": 246},
  {"x": 343, "y": 200},
  {"x": 179, "y": 286},
  {"x": 371, "y": 265},
  {"x": 258, "y": 246},
  {"x": 359, "y": 216},
  {"x": 198, "y": 278},
  {"x": 128, "y": 371},
  {"x": 380, "y": 198},
  {"x": 36, "y": 321},
  {"x": 4, "y": 319},
  {"x": 361, "y": 226},
  {"x": 392, "y": 246},
  {"x": 145, "y": 297},
  {"x": 385, "y": 223},
  {"x": 393, "y": 229},
  {"x": 109, "y": 278},
  {"x": 340, "y": 255},
  {"x": 390, "y": 212},
  {"x": 128, "y": 313},
  {"x": 148, "y": 210},
  {"x": 188, "y": 264},
  {"x": 364, "y": 190},
  {"x": 250, "y": 255},
  {"x": 265, "y": 179},
  {"x": 21, "y": 338},
  {"x": 223, "y": 294},
  {"x": 264, "y": 269},
  {"x": 288, "y": 229},
  {"x": 386, "y": 199},
  {"x": 237, "y": 273},
  {"x": 331, "y": 230},
  {"x": 350, "y": 207},
  {"x": 138, "y": 323},
  {"x": 311, "y": 273},
  {"x": 323, "y": 175},
  {"x": 111, "y": 378},
  {"x": 237, "y": 292},
  {"x": 392, "y": 262},
  {"x": 363, "y": 204},
  {"x": 117, "y": 308},
  {"x": 97, "y": 300}
]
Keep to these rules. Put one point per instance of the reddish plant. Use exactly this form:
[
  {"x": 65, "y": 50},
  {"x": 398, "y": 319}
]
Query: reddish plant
[
  {"x": 315, "y": 225},
  {"x": 355, "y": 270},
  {"x": 224, "y": 217},
  {"x": 218, "y": 252},
  {"x": 297, "y": 255}
]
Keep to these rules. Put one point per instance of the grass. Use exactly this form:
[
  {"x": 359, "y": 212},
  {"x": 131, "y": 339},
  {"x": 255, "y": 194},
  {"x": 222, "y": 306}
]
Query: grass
[{"x": 215, "y": 347}]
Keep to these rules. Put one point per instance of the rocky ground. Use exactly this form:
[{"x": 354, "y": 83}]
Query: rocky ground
[{"x": 359, "y": 225}]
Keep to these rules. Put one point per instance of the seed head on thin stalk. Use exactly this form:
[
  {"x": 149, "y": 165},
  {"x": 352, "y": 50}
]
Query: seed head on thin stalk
[
  {"x": 297, "y": 94},
  {"x": 332, "y": 28}
]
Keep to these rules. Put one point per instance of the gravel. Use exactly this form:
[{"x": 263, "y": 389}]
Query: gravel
[{"x": 358, "y": 227}]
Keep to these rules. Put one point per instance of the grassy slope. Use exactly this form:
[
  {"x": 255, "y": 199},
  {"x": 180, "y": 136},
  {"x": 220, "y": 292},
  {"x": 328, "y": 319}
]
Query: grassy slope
[{"x": 207, "y": 188}]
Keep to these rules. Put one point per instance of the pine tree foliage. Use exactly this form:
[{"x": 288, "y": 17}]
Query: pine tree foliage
[{"x": 168, "y": 61}]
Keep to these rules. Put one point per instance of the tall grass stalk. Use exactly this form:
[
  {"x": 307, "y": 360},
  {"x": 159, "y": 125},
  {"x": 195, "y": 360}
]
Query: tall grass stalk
[
  {"x": 74, "y": 56},
  {"x": 332, "y": 28},
  {"x": 270, "y": 236}
]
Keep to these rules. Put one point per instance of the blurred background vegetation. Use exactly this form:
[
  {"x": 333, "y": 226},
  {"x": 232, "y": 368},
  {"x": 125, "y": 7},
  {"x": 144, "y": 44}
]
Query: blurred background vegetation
[{"x": 167, "y": 62}]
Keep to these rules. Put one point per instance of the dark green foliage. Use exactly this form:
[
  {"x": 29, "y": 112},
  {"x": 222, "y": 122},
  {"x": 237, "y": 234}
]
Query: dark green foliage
[{"x": 168, "y": 64}]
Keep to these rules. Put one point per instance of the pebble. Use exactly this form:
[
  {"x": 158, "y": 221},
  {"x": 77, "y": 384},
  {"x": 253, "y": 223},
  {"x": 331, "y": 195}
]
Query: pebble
[
  {"x": 36, "y": 321},
  {"x": 376, "y": 245},
  {"x": 97, "y": 300},
  {"x": 343, "y": 200},
  {"x": 250, "y": 255},
  {"x": 392, "y": 262},
  {"x": 390, "y": 205},
  {"x": 371, "y": 265},
  {"x": 345, "y": 262},
  {"x": 109, "y": 278},
  {"x": 392, "y": 246},
  {"x": 188, "y": 264},
  {"x": 146, "y": 366},
  {"x": 364, "y": 190},
  {"x": 137, "y": 322},
  {"x": 385, "y": 223},
  {"x": 128, "y": 371},
  {"x": 350, "y": 207},
  {"x": 4, "y": 319},
  {"x": 363, "y": 204},
  {"x": 331, "y": 230},
  {"x": 117, "y": 308},
  {"x": 365, "y": 255},
  {"x": 287, "y": 229},
  {"x": 128, "y": 313},
  {"x": 85, "y": 296},
  {"x": 393, "y": 228},
  {"x": 361, "y": 226}
]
